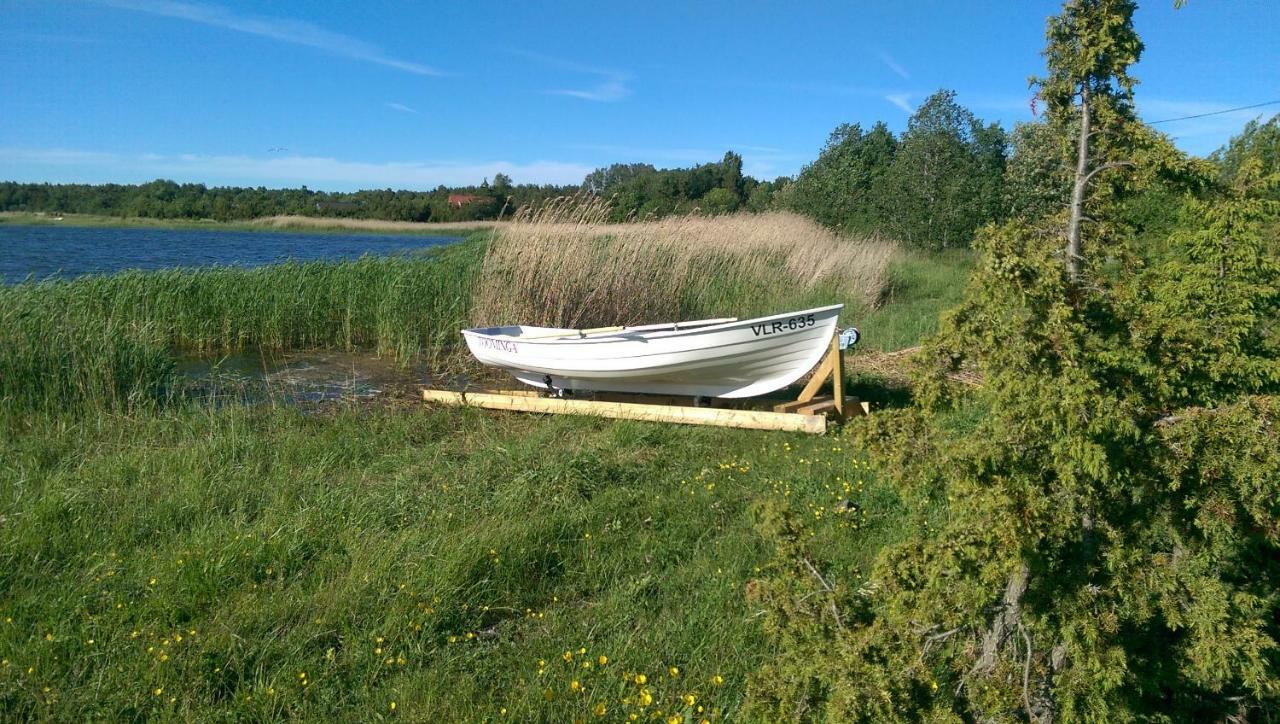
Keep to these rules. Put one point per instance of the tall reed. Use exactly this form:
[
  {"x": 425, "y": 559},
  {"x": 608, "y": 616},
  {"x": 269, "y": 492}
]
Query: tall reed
[
  {"x": 562, "y": 265},
  {"x": 107, "y": 340}
]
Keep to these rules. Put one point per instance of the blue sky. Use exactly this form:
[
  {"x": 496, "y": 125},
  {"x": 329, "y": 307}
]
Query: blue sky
[{"x": 341, "y": 95}]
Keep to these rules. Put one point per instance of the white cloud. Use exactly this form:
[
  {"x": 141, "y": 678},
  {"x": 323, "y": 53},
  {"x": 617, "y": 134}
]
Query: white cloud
[
  {"x": 611, "y": 84},
  {"x": 605, "y": 92},
  {"x": 401, "y": 107},
  {"x": 894, "y": 66},
  {"x": 69, "y": 165},
  {"x": 286, "y": 30},
  {"x": 901, "y": 100}
]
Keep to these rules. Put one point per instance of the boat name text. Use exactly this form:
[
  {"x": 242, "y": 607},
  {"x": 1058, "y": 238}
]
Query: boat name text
[
  {"x": 498, "y": 344},
  {"x": 789, "y": 325}
]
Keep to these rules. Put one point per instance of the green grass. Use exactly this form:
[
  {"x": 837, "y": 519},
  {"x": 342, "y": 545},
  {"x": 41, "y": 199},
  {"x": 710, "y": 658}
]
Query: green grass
[
  {"x": 921, "y": 286},
  {"x": 429, "y": 558},
  {"x": 391, "y": 553}
]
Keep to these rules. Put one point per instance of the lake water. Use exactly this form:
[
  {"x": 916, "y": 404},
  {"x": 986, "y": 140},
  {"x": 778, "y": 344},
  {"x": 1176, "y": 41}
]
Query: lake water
[{"x": 67, "y": 251}]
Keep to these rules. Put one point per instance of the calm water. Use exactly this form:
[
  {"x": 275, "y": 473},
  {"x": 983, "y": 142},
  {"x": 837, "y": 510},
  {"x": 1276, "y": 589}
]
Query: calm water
[{"x": 44, "y": 251}]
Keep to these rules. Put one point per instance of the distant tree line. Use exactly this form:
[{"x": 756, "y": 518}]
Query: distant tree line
[
  {"x": 930, "y": 187},
  {"x": 162, "y": 199}
]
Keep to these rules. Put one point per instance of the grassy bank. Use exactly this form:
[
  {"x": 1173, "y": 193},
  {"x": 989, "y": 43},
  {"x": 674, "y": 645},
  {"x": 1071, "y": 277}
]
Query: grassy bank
[
  {"x": 265, "y": 563},
  {"x": 196, "y": 561},
  {"x": 107, "y": 340}
]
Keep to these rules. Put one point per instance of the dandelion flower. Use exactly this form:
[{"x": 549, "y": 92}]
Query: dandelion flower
[
  {"x": 603, "y": 659},
  {"x": 158, "y": 690},
  {"x": 641, "y": 679},
  {"x": 567, "y": 656},
  {"x": 393, "y": 706},
  {"x": 600, "y": 709},
  {"x": 674, "y": 671},
  {"x": 673, "y": 719},
  {"x": 690, "y": 700},
  {"x": 717, "y": 680},
  {"x": 575, "y": 685}
]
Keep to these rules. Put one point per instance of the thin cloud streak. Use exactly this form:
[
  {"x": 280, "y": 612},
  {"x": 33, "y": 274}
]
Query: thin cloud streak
[
  {"x": 298, "y": 32},
  {"x": 401, "y": 107},
  {"x": 894, "y": 66},
  {"x": 901, "y": 100},
  {"x": 612, "y": 86},
  {"x": 60, "y": 165}
]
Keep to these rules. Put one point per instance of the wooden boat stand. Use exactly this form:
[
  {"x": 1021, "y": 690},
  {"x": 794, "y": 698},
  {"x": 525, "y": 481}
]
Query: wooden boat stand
[{"x": 807, "y": 413}]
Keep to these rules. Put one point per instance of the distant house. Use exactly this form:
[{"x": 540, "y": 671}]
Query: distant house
[{"x": 457, "y": 201}]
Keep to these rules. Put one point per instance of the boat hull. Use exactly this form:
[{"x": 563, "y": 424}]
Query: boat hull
[{"x": 732, "y": 359}]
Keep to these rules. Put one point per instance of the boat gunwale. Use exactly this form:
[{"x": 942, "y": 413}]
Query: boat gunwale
[{"x": 616, "y": 337}]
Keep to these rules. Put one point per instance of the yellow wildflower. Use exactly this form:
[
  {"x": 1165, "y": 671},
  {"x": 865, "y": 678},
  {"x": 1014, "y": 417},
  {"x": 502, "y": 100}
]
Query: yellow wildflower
[
  {"x": 575, "y": 686},
  {"x": 567, "y": 656},
  {"x": 690, "y": 700},
  {"x": 393, "y": 706},
  {"x": 641, "y": 679},
  {"x": 674, "y": 671},
  {"x": 717, "y": 680},
  {"x": 600, "y": 709},
  {"x": 603, "y": 659},
  {"x": 673, "y": 719}
]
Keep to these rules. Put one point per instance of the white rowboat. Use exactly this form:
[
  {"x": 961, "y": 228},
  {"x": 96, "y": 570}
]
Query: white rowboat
[{"x": 708, "y": 358}]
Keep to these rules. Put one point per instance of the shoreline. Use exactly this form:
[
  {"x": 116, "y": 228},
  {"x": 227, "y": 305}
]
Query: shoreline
[{"x": 267, "y": 224}]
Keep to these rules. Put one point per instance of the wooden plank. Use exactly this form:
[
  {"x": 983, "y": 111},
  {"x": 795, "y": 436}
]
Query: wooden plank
[
  {"x": 750, "y": 419},
  {"x": 820, "y": 406},
  {"x": 819, "y": 376},
  {"x": 837, "y": 374}
]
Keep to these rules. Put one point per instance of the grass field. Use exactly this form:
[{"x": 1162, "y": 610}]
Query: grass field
[
  {"x": 267, "y": 562},
  {"x": 161, "y": 557}
]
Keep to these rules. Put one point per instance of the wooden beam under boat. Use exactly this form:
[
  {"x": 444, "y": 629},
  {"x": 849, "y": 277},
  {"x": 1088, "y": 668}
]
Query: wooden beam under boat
[{"x": 748, "y": 419}]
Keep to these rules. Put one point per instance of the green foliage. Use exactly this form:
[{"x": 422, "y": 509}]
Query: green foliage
[
  {"x": 162, "y": 199},
  {"x": 640, "y": 191},
  {"x": 1102, "y": 543},
  {"x": 1090, "y": 47},
  {"x": 718, "y": 201},
  {"x": 930, "y": 189},
  {"x": 1037, "y": 178},
  {"x": 946, "y": 177},
  {"x": 843, "y": 187},
  {"x": 1250, "y": 162}
]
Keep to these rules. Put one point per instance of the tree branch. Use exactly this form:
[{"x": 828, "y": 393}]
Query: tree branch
[{"x": 1104, "y": 167}]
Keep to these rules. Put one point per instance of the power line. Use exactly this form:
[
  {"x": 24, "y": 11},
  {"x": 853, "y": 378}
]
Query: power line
[{"x": 1216, "y": 113}]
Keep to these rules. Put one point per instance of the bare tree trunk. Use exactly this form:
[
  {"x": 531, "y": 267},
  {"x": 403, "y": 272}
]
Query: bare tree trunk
[{"x": 1077, "y": 192}]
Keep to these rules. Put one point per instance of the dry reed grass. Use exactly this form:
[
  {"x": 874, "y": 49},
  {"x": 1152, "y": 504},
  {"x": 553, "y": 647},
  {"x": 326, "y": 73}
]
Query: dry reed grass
[{"x": 562, "y": 265}]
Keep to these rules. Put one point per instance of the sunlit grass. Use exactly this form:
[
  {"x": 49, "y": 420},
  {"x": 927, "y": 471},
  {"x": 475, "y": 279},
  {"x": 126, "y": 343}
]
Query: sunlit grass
[{"x": 265, "y": 563}]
